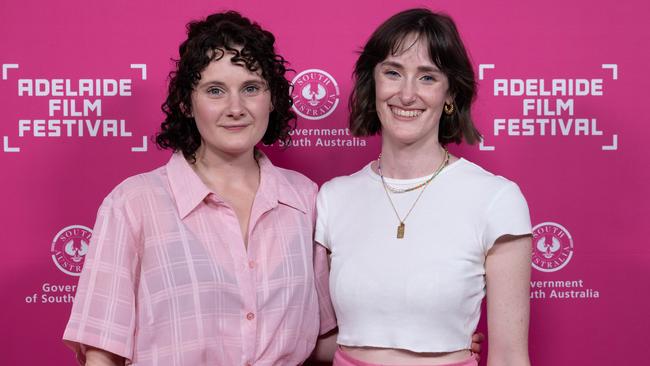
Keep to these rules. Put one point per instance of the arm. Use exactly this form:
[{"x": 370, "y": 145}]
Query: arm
[
  {"x": 99, "y": 357},
  {"x": 325, "y": 347},
  {"x": 107, "y": 281},
  {"x": 508, "y": 300},
  {"x": 326, "y": 343}
]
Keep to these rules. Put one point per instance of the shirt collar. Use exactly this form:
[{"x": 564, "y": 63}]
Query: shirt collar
[
  {"x": 189, "y": 190},
  {"x": 275, "y": 188}
]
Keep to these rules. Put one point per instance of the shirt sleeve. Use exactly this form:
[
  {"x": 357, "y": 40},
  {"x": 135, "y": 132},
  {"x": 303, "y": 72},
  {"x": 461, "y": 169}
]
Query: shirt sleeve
[
  {"x": 322, "y": 232},
  {"x": 321, "y": 277},
  {"x": 507, "y": 215},
  {"x": 103, "y": 312}
]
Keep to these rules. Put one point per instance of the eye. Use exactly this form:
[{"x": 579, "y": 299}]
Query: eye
[
  {"x": 252, "y": 89},
  {"x": 392, "y": 74},
  {"x": 428, "y": 78},
  {"x": 214, "y": 91}
]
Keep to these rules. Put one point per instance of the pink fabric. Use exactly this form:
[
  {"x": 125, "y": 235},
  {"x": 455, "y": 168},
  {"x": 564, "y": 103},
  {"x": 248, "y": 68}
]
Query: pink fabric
[
  {"x": 168, "y": 281},
  {"x": 341, "y": 358}
]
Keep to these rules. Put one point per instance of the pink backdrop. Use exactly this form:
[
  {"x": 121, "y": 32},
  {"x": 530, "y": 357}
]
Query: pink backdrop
[{"x": 580, "y": 158}]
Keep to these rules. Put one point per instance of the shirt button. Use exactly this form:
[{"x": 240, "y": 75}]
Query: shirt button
[
  {"x": 251, "y": 264},
  {"x": 250, "y": 316}
]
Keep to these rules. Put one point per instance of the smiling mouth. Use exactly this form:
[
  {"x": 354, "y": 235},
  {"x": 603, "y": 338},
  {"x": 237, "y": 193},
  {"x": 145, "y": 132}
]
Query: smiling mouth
[
  {"x": 234, "y": 127},
  {"x": 412, "y": 113}
]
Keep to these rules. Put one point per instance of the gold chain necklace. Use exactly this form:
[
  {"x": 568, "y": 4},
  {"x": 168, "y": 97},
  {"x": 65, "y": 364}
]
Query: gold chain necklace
[
  {"x": 402, "y": 226},
  {"x": 403, "y": 190}
]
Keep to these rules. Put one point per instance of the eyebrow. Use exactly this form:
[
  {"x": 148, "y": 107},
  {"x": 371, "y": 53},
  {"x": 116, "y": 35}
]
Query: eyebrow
[
  {"x": 221, "y": 83},
  {"x": 397, "y": 65}
]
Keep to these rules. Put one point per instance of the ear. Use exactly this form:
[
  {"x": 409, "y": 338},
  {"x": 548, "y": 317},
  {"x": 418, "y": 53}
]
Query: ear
[{"x": 449, "y": 99}]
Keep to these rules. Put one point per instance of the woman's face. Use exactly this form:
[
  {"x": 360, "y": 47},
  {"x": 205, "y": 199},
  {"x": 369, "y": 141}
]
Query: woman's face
[
  {"x": 410, "y": 92},
  {"x": 231, "y": 107}
]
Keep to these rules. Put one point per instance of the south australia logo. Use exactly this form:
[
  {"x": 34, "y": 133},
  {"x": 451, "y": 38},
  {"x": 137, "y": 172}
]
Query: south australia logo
[
  {"x": 315, "y": 94},
  {"x": 552, "y": 247},
  {"x": 69, "y": 248}
]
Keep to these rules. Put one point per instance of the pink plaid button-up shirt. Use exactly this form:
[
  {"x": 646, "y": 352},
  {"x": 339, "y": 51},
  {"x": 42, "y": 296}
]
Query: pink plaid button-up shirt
[{"x": 168, "y": 280}]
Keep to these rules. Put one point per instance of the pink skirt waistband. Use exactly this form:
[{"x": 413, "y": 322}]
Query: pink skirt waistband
[{"x": 341, "y": 358}]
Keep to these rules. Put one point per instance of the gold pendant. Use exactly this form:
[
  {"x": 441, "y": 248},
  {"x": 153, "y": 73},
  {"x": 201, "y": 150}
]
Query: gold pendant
[{"x": 400, "y": 231}]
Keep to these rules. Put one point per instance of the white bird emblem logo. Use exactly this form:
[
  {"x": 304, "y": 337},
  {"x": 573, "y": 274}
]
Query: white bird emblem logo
[
  {"x": 76, "y": 250},
  {"x": 548, "y": 249},
  {"x": 314, "y": 97}
]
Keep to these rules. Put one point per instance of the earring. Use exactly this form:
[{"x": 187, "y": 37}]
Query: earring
[{"x": 449, "y": 108}]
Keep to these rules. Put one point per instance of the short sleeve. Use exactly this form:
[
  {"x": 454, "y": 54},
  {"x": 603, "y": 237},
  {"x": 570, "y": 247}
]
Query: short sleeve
[
  {"x": 507, "y": 214},
  {"x": 103, "y": 312},
  {"x": 322, "y": 232},
  {"x": 321, "y": 277}
]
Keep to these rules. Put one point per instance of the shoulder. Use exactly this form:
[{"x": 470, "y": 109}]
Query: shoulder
[
  {"x": 471, "y": 176},
  {"x": 137, "y": 187},
  {"x": 348, "y": 183},
  {"x": 296, "y": 181},
  {"x": 130, "y": 205},
  {"x": 295, "y": 189},
  {"x": 500, "y": 202}
]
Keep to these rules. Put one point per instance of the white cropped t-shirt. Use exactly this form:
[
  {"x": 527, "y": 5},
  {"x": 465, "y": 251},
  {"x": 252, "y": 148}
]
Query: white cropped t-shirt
[{"x": 421, "y": 293}]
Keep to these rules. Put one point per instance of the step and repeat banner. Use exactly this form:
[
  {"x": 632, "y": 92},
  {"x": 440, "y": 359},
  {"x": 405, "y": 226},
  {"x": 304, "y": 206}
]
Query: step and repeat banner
[{"x": 561, "y": 105}]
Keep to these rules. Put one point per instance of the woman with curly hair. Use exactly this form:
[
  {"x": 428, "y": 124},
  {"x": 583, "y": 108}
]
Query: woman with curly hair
[{"x": 209, "y": 260}]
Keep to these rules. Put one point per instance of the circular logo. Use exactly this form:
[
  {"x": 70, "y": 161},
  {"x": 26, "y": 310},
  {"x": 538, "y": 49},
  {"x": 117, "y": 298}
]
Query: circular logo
[
  {"x": 552, "y": 247},
  {"x": 315, "y": 94},
  {"x": 69, "y": 248}
]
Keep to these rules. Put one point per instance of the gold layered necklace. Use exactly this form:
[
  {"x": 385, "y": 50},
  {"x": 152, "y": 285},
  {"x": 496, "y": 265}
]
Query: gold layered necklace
[
  {"x": 393, "y": 189},
  {"x": 402, "y": 226}
]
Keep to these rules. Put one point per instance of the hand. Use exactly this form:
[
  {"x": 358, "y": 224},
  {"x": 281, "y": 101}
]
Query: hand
[{"x": 477, "y": 339}]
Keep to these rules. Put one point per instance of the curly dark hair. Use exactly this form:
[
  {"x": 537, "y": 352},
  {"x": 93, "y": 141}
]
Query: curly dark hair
[
  {"x": 252, "y": 47},
  {"x": 447, "y": 52}
]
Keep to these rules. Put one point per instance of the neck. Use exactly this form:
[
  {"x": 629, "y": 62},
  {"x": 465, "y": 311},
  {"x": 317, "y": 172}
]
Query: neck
[
  {"x": 218, "y": 170},
  {"x": 410, "y": 161}
]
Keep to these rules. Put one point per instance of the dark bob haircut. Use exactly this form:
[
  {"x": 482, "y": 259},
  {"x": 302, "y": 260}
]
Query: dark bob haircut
[
  {"x": 446, "y": 51},
  {"x": 208, "y": 40}
]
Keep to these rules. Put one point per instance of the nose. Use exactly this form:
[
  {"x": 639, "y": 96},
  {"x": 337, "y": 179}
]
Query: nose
[
  {"x": 235, "y": 108},
  {"x": 407, "y": 93}
]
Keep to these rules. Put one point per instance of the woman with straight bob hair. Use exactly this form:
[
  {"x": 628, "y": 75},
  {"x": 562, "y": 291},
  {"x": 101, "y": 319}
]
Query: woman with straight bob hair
[{"x": 419, "y": 236}]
